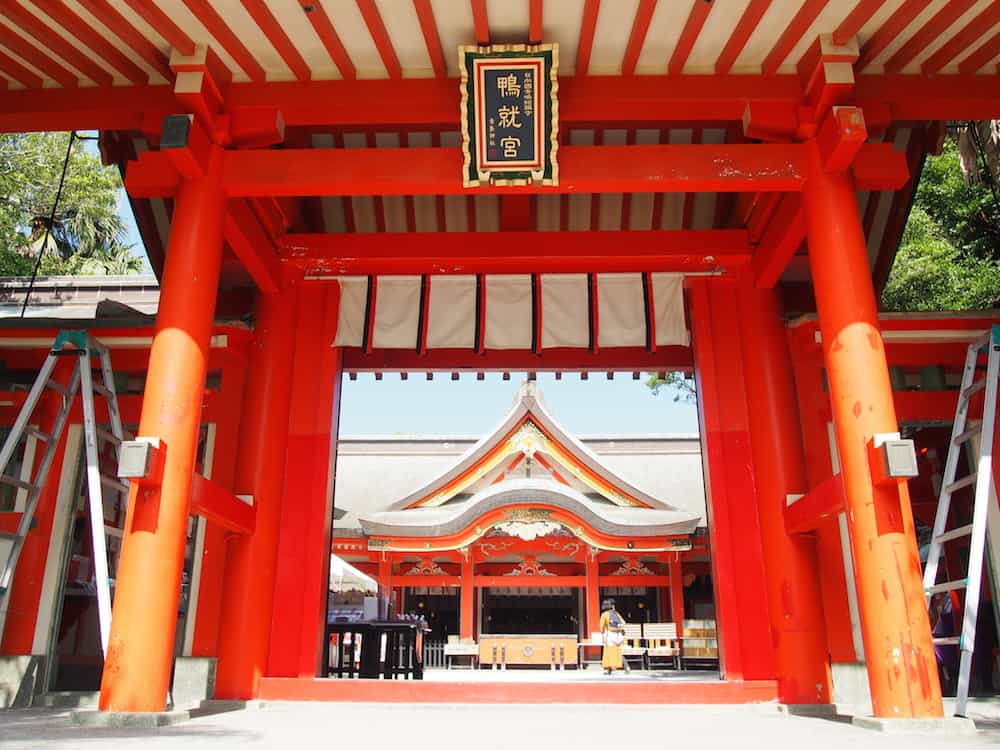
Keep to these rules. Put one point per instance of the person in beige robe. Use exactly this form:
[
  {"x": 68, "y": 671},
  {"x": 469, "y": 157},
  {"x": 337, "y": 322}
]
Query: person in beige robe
[{"x": 612, "y": 633}]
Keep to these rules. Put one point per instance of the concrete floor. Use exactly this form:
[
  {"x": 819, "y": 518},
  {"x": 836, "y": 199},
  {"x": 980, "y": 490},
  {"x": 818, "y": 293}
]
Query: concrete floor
[{"x": 296, "y": 725}]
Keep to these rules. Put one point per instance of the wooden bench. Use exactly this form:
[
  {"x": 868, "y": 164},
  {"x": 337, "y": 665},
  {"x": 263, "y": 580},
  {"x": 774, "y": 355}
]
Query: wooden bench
[
  {"x": 633, "y": 645},
  {"x": 662, "y": 642}
]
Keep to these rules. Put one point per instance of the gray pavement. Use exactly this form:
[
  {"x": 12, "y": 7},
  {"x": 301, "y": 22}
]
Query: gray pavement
[{"x": 295, "y": 726}]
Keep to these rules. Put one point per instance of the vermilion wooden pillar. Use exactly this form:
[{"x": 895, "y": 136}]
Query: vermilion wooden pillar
[
  {"x": 228, "y": 437},
  {"x": 677, "y": 594},
  {"x": 593, "y": 593},
  {"x": 141, "y": 649},
  {"x": 251, "y": 562},
  {"x": 796, "y": 605},
  {"x": 467, "y": 599},
  {"x": 814, "y": 412},
  {"x": 737, "y": 557},
  {"x": 303, "y": 568},
  {"x": 902, "y": 671}
]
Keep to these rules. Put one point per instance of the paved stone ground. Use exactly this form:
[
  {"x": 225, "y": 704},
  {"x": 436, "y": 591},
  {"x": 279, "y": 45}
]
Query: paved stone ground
[{"x": 296, "y": 726}]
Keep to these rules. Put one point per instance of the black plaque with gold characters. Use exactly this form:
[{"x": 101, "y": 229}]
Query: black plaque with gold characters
[{"x": 510, "y": 114}]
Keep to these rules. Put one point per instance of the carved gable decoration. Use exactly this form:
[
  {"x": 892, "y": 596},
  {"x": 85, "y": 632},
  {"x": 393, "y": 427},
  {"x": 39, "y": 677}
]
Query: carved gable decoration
[
  {"x": 529, "y": 567},
  {"x": 426, "y": 568},
  {"x": 633, "y": 568}
]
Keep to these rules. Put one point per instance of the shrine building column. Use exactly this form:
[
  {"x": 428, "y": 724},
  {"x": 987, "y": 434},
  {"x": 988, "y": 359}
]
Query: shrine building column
[
  {"x": 796, "y": 606},
  {"x": 593, "y": 592},
  {"x": 467, "y": 597},
  {"x": 251, "y": 562},
  {"x": 677, "y": 594},
  {"x": 140, "y": 653},
  {"x": 902, "y": 670}
]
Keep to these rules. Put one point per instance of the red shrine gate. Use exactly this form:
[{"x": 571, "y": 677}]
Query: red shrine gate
[{"x": 693, "y": 139}]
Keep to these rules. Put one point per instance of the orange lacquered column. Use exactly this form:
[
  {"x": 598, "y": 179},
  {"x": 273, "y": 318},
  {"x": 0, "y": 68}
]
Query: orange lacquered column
[
  {"x": 796, "y": 606},
  {"x": 248, "y": 590},
  {"x": 467, "y": 595},
  {"x": 677, "y": 594},
  {"x": 141, "y": 648},
  {"x": 902, "y": 671}
]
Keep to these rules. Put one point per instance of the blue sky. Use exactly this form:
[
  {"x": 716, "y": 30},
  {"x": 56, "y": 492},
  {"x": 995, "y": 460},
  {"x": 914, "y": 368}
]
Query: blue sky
[{"x": 470, "y": 407}]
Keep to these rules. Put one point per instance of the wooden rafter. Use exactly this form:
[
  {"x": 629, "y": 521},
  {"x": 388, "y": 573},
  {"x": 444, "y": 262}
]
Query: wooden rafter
[
  {"x": 741, "y": 35},
  {"x": 163, "y": 25},
  {"x": 428, "y": 27},
  {"x": 74, "y": 25},
  {"x": 640, "y": 26},
  {"x": 944, "y": 18},
  {"x": 891, "y": 29},
  {"x": 218, "y": 28},
  {"x": 328, "y": 36},
  {"x": 792, "y": 34},
  {"x": 124, "y": 30},
  {"x": 689, "y": 35},
  {"x": 376, "y": 28},
  {"x": 964, "y": 40},
  {"x": 587, "y": 28},
  {"x": 268, "y": 24}
]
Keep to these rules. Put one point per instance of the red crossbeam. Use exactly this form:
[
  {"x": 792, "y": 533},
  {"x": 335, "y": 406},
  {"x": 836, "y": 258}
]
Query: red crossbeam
[
  {"x": 821, "y": 503},
  {"x": 583, "y": 169},
  {"x": 518, "y": 252},
  {"x": 432, "y": 171},
  {"x": 252, "y": 245},
  {"x": 220, "y": 506}
]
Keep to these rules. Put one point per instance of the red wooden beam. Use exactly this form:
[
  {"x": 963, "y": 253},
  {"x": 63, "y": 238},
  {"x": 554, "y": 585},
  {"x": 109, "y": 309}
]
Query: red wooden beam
[
  {"x": 965, "y": 39},
  {"x": 276, "y": 35},
  {"x": 784, "y": 236},
  {"x": 517, "y": 252},
  {"x": 373, "y": 20},
  {"x": 162, "y": 25},
  {"x": 218, "y": 505},
  {"x": 930, "y": 31},
  {"x": 689, "y": 35},
  {"x": 798, "y": 26},
  {"x": 856, "y": 20},
  {"x": 643, "y": 16},
  {"x": 328, "y": 36},
  {"x": 253, "y": 246},
  {"x": 219, "y": 29},
  {"x": 820, "y": 504},
  {"x": 878, "y": 166},
  {"x": 507, "y": 581},
  {"x": 741, "y": 35},
  {"x": 587, "y": 28},
  {"x": 637, "y": 101},
  {"x": 428, "y": 26},
  {"x": 583, "y": 169},
  {"x": 617, "y": 359}
]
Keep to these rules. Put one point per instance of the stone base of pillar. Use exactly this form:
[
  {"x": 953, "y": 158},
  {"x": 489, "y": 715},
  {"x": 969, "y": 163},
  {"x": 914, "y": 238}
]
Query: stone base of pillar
[
  {"x": 812, "y": 710},
  {"x": 130, "y": 719},
  {"x": 950, "y": 726},
  {"x": 20, "y": 680},
  {"x": 194, "y": 681}
]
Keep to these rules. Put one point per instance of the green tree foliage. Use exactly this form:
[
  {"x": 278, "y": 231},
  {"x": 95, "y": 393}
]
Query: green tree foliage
[
  {"x": 679, "y": 383},
  {"x": 966, "y": 211},
  {"x": 86, "y": 235},
  {"x": 947, "y": 259}
]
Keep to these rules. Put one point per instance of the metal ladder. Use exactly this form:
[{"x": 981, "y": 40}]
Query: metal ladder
[
  {"x": 83, "y": 348},
  {"x": 982, "y": 478}
]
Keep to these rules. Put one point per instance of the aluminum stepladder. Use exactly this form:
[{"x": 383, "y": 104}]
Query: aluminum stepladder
[
  {"x": 982, "y": 477},
  {"x": 83, "y": 348}
]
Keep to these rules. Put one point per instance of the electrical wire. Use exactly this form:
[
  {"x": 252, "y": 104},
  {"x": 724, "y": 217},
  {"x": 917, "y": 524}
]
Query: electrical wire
[{"x": 48, "y": 226}]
